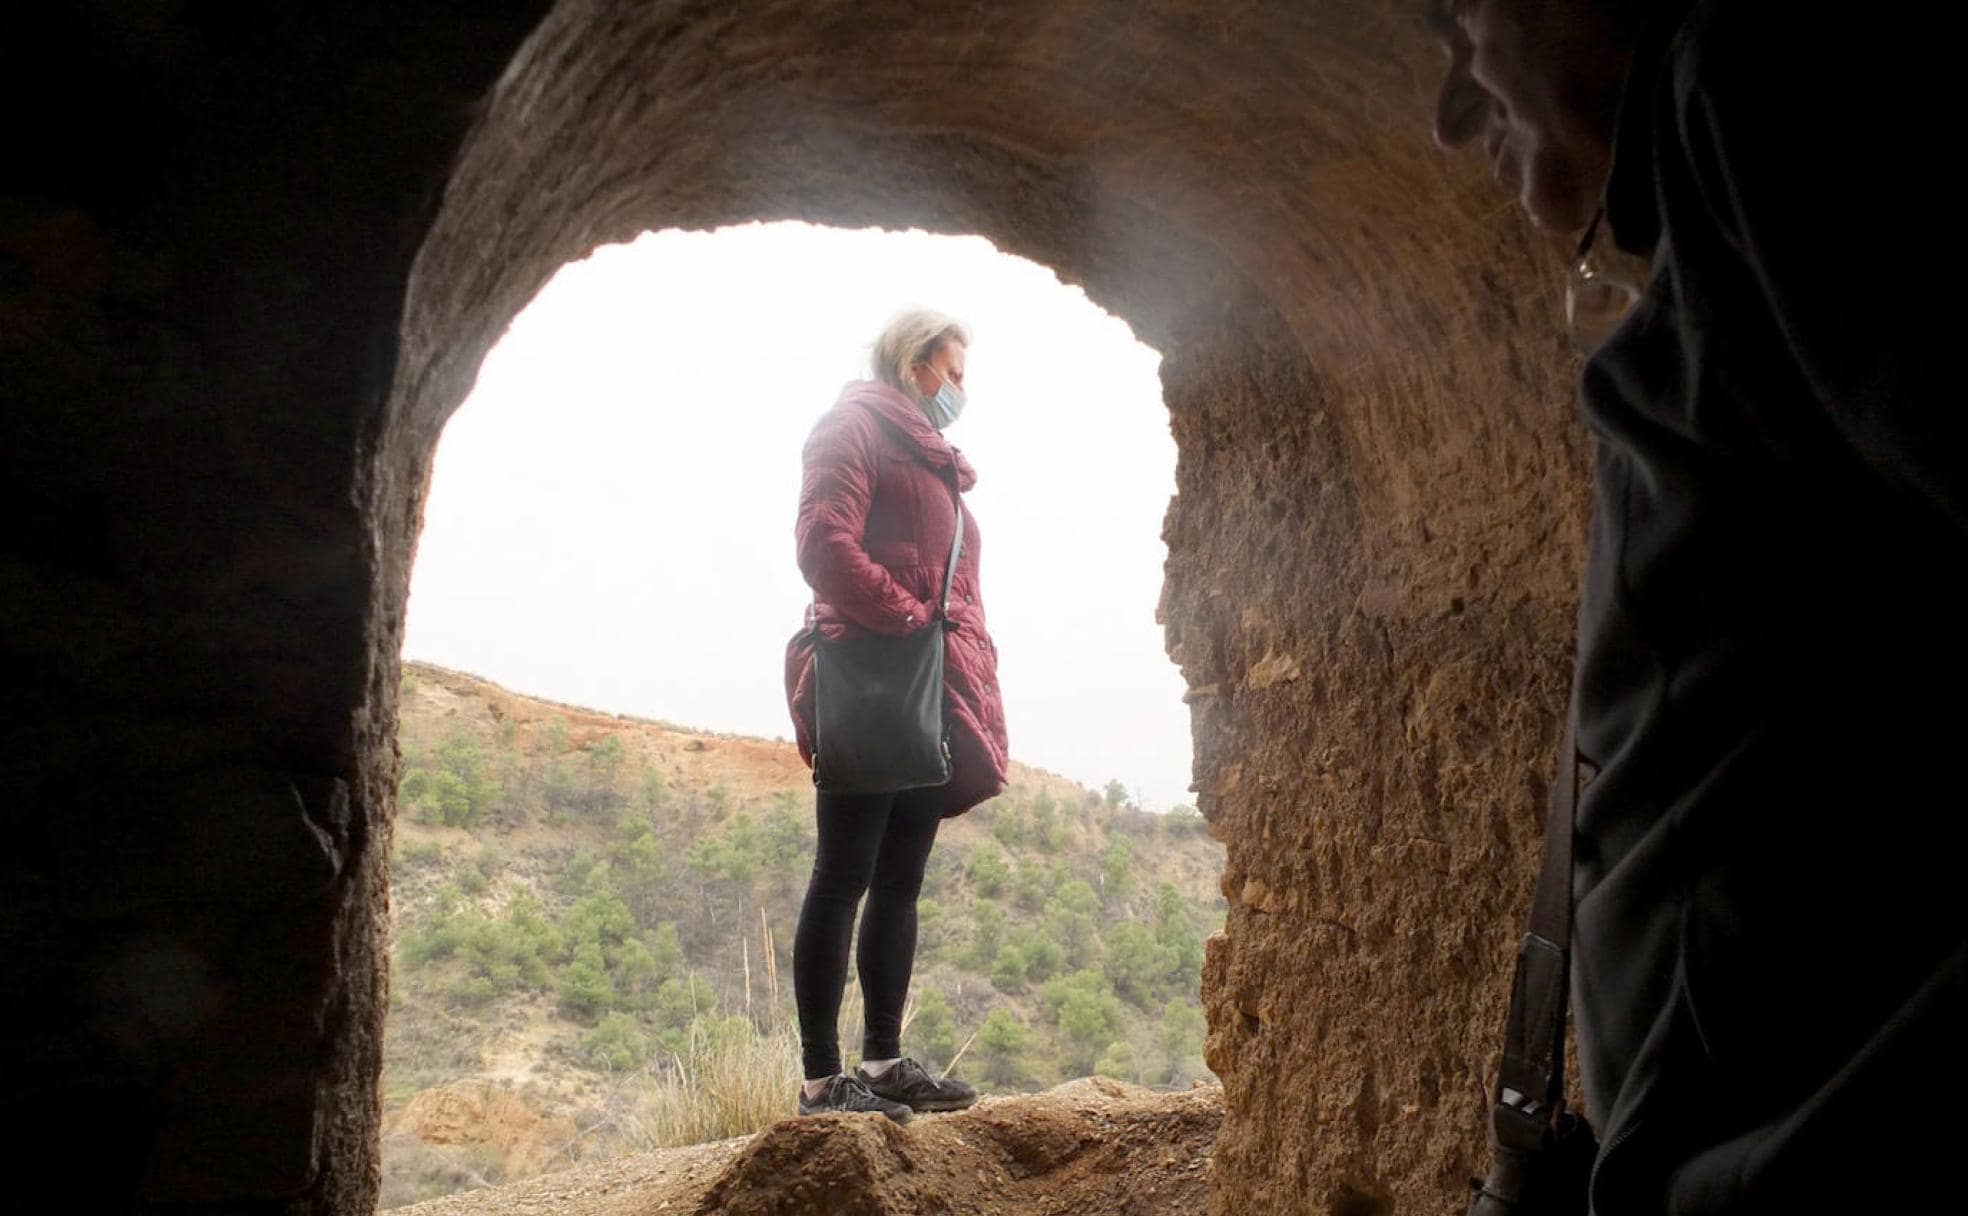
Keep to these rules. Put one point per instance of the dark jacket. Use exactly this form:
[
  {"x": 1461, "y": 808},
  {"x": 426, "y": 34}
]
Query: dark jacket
[
  {"x": 875, "y": 523},
  {"x": 1771, "y": 920}
]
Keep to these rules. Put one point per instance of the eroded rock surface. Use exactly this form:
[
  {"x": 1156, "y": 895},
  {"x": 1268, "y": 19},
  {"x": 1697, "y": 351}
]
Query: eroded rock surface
[{"x": 1088, "y": 1148}]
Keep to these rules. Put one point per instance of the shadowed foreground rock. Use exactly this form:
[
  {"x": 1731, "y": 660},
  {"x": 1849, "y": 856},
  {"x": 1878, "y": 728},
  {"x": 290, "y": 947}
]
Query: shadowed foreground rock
[{"x": 1088, "y": 1148}]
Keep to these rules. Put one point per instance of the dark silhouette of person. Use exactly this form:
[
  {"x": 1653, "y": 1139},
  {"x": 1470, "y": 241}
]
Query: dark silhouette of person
[{"x": 1768, "y": 951}]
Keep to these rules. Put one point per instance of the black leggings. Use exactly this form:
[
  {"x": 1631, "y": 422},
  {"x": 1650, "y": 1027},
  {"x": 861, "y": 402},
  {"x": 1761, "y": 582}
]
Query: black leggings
[{"x": 877, "y": 844}]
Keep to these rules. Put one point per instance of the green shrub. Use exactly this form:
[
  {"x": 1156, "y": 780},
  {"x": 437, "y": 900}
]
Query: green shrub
[
  {"x": 1044, "y": 958},
  {"x": 1010, "y": 826},
  {"x": 1084, "y": 1008},
  {"x": 987, "y": 872},
  {"x": 652, "y": 791},
  {"x": 681, "y": 1001},
  {"x": 1184, "y": 821},
  {"x": 562, "y": 789},
  {"x": 1071, "y": 921},
  {"x": 986, "y": 936},
  {"x": 586, "y": 990},
  {"x": 616, "y": 1044},
  {"x": 1180, "y": 1037},
  {"x": 1030, "y": 884},
  {"x": 1001, "y": 1046},
  {"x": 1009, "y": 969},
  {"x": 578, "y": 874},
  {"x": 600, "y": 917},
  {"x": 1118, "y": 1062},
  {"x": 1176, "y": 930},
  {"x": 1140, "y": 967},
  {"x": 933, "y": 1029},
  {"x": 1117, "y": 868}
]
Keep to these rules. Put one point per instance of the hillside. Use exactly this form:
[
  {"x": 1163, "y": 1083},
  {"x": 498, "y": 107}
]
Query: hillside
[{"x": 593, "y": 916}]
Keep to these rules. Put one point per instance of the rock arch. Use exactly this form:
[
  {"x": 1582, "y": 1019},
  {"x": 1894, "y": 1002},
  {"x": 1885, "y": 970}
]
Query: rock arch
[{"x": 261, "y": 268}]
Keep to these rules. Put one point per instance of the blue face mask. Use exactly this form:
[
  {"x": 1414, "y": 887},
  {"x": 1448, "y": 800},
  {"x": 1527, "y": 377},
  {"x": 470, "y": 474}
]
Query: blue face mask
[{"x": 947, "y": 405}]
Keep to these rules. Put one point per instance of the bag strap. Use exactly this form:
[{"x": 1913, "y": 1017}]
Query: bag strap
[
  {"x": 1531, "y": 1086},
  {"x": 956, "y": 551}
]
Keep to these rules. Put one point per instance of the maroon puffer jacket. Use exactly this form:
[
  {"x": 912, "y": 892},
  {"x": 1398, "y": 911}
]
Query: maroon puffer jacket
[{"x": 874, "y": 531}]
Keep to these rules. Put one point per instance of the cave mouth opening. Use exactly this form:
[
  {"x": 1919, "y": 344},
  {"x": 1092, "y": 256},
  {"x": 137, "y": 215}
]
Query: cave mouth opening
[
  {"x": 608, "y": 521},
  {"x": 597, "y": 891},
  {"x": 293, "y": 266}
]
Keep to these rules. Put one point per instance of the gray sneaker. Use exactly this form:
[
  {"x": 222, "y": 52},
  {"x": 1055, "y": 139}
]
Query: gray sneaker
[
  {"x": 850, "y": 1095},
  {"x": 912, "y": 1085}
]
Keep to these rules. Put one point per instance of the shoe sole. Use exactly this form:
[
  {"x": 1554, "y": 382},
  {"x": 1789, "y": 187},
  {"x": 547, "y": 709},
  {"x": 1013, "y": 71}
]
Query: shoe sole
[
  {"x": 901, "y": 1116},
  {"x": 945, "y": 1105}
]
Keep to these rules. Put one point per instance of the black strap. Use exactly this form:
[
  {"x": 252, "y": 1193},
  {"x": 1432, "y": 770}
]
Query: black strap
[
  {"x": 956, "y": 551},
  {"x": 1531, "y": 1086}
]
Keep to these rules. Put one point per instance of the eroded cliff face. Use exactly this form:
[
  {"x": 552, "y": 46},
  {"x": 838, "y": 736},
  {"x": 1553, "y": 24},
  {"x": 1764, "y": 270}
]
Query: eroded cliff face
[
  {"x": 246, "y": 285},
  {"x": 1375, "y": 685}
]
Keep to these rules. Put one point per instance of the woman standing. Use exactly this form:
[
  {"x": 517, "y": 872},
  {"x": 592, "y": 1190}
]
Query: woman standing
[{"x": 879, "y": 501}]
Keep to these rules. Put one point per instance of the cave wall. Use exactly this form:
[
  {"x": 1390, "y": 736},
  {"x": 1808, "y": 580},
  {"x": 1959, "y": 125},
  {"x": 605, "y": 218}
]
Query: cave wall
[
  {"x": 246, "y": 282},
  {"x": 207, "y": 220}
]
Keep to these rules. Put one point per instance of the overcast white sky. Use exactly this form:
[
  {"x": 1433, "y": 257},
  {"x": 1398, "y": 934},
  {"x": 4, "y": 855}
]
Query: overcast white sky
[{"x": 611, "y": 514}]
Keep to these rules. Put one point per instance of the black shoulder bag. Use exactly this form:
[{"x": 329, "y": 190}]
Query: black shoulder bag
[
  {"x": 1541, "y": 1154},
  {"x": 878, "y": 703}
]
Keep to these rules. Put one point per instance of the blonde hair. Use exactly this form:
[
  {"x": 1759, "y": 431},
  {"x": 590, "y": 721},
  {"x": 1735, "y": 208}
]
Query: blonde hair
[{"x": 914, "y": 336}]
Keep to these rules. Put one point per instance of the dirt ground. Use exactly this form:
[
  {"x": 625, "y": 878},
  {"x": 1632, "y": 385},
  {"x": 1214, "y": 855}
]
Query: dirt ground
[{"x": 1091, "y": 1147}]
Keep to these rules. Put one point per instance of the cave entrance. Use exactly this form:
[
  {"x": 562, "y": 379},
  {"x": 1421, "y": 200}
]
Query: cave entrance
[
  {"x": 603, "y": 837},
  {"x": 668, "y": 121},
  {"x": 273, "y": 257}
]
